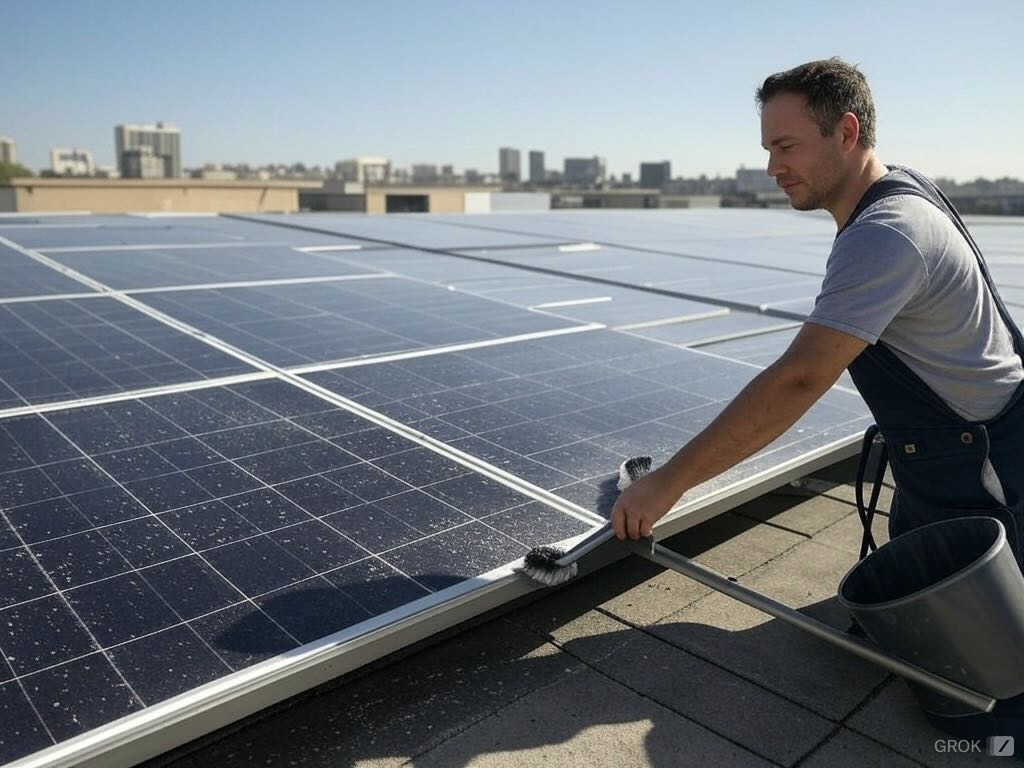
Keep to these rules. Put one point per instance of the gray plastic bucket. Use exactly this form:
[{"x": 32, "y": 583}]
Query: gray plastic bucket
[{"x": 949, "y": 597}]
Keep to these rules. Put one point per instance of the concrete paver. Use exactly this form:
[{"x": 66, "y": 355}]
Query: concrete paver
[
  {"x": 588, "y": 720},
  {"x": 771, "y": 652}
]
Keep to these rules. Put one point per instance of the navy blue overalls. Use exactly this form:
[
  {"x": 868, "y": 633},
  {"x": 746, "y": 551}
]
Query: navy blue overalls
[
  {"x": 938, "y": 457},
  {"x": 944, "y": 466}
]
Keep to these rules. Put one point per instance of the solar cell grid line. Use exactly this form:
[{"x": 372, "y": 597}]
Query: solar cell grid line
[{"x": 314, "y": 422}]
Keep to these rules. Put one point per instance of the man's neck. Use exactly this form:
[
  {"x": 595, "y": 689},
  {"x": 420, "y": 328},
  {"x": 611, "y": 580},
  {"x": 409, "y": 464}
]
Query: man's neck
[{"x": 855, "y": 187}]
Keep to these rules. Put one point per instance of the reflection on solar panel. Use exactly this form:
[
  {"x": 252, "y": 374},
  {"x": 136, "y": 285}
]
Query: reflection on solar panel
[{"x": 257, "y": 456}]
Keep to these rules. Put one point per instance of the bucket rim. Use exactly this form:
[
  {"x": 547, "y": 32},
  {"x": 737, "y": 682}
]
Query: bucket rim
[{"x": 979, "y": 563}]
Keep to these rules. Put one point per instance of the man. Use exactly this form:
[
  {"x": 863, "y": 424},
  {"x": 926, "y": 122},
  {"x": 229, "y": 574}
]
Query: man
[{"x": 906, "y": 305}]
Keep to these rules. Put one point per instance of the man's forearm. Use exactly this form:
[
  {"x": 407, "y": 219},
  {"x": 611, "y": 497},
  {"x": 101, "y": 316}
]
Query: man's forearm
[{"x": 769, "y": 405}]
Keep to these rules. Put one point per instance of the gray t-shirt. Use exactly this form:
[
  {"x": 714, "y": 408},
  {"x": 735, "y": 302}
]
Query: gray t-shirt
[{"x": 904, "y": 274}]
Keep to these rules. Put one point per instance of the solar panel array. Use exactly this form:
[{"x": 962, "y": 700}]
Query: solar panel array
[{"x": 228, "y": 441}]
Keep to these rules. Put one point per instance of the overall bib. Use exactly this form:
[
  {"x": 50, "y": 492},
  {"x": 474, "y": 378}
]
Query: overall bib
[{"x": 943, "y": 465}]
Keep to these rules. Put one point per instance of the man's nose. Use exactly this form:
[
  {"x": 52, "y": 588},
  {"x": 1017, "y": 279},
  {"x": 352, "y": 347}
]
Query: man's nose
[{"x": 774, "y": 166}]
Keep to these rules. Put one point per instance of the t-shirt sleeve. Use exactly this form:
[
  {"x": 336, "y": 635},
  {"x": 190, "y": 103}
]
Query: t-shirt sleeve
[{"x": 872, "y": 272}]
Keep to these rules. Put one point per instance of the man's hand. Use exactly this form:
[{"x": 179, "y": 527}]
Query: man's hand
[{"x": 643, "y": 504}]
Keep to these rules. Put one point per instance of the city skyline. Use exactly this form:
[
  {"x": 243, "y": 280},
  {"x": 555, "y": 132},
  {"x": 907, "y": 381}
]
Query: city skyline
[{"x": 631, "y": 83}]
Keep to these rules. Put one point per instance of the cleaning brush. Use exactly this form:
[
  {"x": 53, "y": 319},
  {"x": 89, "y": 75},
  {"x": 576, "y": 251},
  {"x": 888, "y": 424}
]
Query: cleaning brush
[{"x": 551, "y": 566}]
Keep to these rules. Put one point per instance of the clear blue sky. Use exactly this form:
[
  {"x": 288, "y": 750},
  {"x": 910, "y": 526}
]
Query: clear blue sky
[{"x": 449, "y": 81}]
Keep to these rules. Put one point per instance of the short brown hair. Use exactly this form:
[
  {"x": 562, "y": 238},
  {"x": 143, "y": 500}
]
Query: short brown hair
[{"x": 832, "y": 88}]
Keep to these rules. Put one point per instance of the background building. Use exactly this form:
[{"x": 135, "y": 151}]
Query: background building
[
  {"x": 584, "y": 171},
  {"x": 8, "y": 150},
  {"x": 536, "y": 167},
  {"x": 508, "y": 164},
  {"x": 150, "y": 195},
  {"x": 755, "y": 180},
  {"x": 424, "y": 174},
  {"x": 142, "y": 163},
  {"x": 71, "y": 162},
  {"x": 655, "y": 175},
  {"x": 164, "y": 141},
  {"x": 364, "y": 169}
]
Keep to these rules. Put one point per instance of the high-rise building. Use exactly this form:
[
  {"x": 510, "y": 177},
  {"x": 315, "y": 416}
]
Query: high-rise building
[
  {"x": 8, "y": 150},
  {"x": 655, "y": 175},
  {"x": 584, "y": 171},
  {"x": 536, "y": 167},
  {"x": 371, "y": 170},
  {"x": 71, "y": 162},
  {"x": 163, "y": 139},
  {"x": 508, "y": 164},
  {"x": 142, "y": 163}
]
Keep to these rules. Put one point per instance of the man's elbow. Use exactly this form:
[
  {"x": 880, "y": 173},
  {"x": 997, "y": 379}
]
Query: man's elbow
[{"x": 807, "y": 378}]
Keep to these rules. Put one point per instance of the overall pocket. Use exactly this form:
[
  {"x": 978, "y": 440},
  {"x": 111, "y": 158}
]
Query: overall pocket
[{"x": 938, "y": 474}]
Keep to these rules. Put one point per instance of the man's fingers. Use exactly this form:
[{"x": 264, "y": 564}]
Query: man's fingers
[
  {"x": 645, "y": 528},
  {"x": 633, "y": 527},
  {"x": 619, "y": 522}
]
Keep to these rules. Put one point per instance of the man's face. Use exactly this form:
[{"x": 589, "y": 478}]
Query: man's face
[{"x": 807, "y": 166}]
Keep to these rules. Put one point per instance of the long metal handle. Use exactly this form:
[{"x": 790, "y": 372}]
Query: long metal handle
[
  {"x": 595, "y": 539},
  {"x": 657, "y": 553}
]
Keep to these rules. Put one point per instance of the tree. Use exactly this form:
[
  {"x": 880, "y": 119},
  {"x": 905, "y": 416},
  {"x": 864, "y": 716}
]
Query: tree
[{"x": 10, "y": 171}]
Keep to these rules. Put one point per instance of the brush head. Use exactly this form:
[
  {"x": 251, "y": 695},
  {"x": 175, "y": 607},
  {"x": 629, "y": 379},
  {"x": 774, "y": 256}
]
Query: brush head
[
  {"x": 632, "y": 470},
  {"x": 542, "y": 564}
]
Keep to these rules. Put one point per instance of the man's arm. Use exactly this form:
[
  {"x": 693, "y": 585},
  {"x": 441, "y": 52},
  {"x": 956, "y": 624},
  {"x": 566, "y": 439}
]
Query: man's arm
[{"x": 769, "y": 405}]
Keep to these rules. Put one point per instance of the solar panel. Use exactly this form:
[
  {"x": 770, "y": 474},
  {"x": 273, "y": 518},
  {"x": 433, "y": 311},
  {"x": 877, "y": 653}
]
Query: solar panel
[
  {"x": 713, "y": 329},
  {"x": 203, "y": 532},
  {"x": 164, "y": 267},
  {"x": 560, "y": 411},
  {"x": 252, "y": 536},
  {"x": 309, "y": 323},
  {"x": 64, "y": 349},
  {"x": 406, "y": 230},
  {"x": 24, "y": 277},
  {"x": 107, "y": 231}
]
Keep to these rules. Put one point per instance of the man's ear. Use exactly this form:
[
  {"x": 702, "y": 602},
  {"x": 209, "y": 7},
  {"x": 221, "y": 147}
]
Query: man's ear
[{"x": 849, "y": 131}]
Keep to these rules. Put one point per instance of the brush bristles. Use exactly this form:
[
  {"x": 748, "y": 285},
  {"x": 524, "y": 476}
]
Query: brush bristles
[
  {"x": 549, "y": 576},
  {"x": 542, "y": 564},
  {"x": 632, "y": 470}
]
